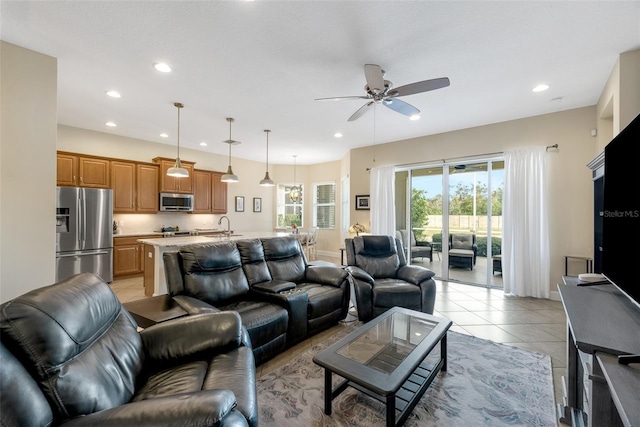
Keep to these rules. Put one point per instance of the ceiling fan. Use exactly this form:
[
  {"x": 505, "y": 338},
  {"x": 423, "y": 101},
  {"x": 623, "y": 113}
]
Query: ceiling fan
[{"x": 378, "y": 90}]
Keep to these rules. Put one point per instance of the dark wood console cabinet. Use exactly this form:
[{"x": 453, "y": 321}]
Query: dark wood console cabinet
[{"x": 601, "y": 323}]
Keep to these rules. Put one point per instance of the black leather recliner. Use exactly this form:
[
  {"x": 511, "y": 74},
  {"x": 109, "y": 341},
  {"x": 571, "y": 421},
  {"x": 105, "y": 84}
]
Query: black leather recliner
[
  {"x": 72, "y": 355},
  {"x": 382, "y": 279}
]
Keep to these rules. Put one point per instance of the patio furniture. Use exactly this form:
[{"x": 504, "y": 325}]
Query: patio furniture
[
  {"x": 497, "y": 263},
  {"x": 462, "y": 250},
  {"x": 417, "y": 249}
]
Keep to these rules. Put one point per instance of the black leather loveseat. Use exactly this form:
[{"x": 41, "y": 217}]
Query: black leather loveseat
[
  {"x": 71, "y": 355},
  {"x": 281, "y": 299}
]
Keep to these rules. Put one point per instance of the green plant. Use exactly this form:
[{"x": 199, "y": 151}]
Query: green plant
[{"x": 496, "y": 245}]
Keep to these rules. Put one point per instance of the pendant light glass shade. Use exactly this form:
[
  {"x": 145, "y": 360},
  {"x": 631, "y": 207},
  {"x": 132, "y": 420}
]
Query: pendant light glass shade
[
  {"x": 267, "y": 181},
  {"x": 230, "y": 176},
  {"x": 295, "y": 192},
  {"x": 177, "y": 171}
]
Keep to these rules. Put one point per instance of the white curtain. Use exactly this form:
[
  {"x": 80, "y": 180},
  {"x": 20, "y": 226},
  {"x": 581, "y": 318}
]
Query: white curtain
[
  {"x": 382, "y": 206},
  {"x": 525, "y": 234}
]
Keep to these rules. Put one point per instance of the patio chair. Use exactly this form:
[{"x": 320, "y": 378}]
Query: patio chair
[
  {"x": 418, "y": 249},
  {"x": 462, "y": 250}
]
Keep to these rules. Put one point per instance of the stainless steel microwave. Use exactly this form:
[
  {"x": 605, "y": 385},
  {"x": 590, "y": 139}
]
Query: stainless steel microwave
[{"x": 174, "y": 202}]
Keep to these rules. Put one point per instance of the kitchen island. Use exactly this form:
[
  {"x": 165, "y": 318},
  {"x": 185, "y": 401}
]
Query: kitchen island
[{"x": 155, "y": 282}]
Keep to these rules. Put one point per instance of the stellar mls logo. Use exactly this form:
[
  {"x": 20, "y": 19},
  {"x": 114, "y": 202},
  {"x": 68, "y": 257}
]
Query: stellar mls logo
[{"x": 621, "y": 214}]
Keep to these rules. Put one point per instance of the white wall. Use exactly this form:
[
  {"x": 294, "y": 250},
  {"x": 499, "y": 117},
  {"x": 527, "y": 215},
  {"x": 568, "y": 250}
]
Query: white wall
[
  {"x": 27, "y": 170},
  {"x": 571, "y": 187}
]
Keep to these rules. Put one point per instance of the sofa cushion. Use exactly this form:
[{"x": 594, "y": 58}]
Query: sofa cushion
[
  {"x": 377, "y": 255},
  {"x": 213, "y": 273},
  {"x": 285, "y": 259},
  {"x": 391, "y": 293},
  {"x": 253, "y": 261},
  {"x": 178, "y": 379},
  {"x": 322, "y": 299},
  {"x": 462, "y": 241}
]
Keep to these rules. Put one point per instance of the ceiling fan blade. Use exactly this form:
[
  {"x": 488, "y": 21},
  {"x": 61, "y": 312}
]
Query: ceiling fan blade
[
  {"x": 375, "y": 81},
  {"x": 361, "y": 111},
  {"x": 418, "y": 87},
  {"x": 340, "y": 98},
  {"x": 400, "y": 106}
]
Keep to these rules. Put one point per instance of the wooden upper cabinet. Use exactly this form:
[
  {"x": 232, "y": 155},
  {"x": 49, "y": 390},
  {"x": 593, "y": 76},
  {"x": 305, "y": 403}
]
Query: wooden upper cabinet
[
  {"x": 94, "y": 172},
  {"x": 202, "y": 193},
  {"x": 147, "y": 187},
  {"x": 135, "y": 187},
  {"x": 67, "y": 170},
  {"x": 123, "y": 178},
  {"x": 219, "y": 194},
  {"x": 80, "y": 171},
  {"x": 170, "y": 184}
]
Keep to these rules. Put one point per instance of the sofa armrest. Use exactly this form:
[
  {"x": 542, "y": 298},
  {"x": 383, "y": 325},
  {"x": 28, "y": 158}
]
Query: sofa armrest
[
  {"x": 414, "y": 274},
  {"x": 325, "y": 275},
  {"x": 192, "y": 335},
  {"x": 201, "y": 408},
  {"x": 193, "y": 305},
  {"x": 359, "y": 274}
]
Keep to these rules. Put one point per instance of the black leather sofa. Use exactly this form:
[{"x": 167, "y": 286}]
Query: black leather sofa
[
  {"x": 281, "y": 299},
  {"x": 382, "y": 279},
  {"x": 71, "y": 355}
]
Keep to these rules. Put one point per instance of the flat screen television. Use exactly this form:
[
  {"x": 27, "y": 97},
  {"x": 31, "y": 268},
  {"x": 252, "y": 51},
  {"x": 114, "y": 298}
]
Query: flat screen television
[{"x": 621, "y": 213}]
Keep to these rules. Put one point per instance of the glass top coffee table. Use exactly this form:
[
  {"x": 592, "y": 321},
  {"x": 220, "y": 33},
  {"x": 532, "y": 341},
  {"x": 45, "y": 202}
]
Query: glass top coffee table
[{"x": 385, "y": 359}]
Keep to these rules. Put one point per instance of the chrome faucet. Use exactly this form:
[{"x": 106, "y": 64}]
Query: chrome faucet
[{"x": 228, "y": 224}]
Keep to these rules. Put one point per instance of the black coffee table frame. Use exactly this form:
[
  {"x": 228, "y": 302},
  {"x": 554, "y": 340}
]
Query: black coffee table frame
[{"x": 400, "y": 389}]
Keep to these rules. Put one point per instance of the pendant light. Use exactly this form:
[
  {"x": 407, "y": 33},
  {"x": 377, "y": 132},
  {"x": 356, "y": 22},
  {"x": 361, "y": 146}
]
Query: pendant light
[
  {"x": 267, "y": 181},
  {"x": 177, "y": 171},
  {"x": 230, "y": 176},
  {"x": 295, "y": 192}
]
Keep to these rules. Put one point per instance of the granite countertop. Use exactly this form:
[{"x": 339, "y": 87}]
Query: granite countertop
[{"x": 170, "y": 242}]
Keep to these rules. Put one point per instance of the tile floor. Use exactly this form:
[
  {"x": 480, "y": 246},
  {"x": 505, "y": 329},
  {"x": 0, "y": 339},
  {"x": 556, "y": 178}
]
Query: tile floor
[{"x": 532, "y": 324}]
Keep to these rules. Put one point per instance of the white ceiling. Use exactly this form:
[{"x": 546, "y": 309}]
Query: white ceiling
[{"x": 264, "y": 62}]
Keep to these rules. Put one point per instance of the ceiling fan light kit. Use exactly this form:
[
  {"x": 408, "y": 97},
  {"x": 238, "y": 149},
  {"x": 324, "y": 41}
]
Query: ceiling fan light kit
[
  {"x": 230, "y": 176},
  {"x": 177, "y": 171},
  {"x": 381, "y": 91}
]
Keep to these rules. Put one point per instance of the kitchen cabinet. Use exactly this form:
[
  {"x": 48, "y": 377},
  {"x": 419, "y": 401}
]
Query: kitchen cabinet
[
  {"x": 202, "y": 191},
  {"x": 209, "y": 193},
  {"x": 135, "y": 187},
  {"x": 170, "y": 184},
  {"x": 128, "y": 255},
  {"x": 82, "y": 171},
  {"x": 219, "y": 196}
]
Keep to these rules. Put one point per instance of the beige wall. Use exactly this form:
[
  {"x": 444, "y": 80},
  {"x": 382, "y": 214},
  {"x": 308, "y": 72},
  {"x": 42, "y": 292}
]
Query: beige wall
[
  {"x": 571, "y": 188},
  {"x": 619, "y": 102},
  {"x": 28, "y": 137}
]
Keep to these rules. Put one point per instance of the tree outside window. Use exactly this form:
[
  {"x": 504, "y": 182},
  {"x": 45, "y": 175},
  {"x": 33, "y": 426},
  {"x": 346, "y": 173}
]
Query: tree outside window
[{"x": 289, "y": 212}]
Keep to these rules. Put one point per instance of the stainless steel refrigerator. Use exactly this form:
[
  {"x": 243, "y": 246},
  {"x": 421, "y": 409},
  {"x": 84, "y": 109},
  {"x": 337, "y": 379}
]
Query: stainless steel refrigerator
[{"x": 84, "y": 232}]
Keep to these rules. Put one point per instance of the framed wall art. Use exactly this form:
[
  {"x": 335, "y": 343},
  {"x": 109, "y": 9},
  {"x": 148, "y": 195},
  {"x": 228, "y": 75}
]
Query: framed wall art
[
  {"x": 362, "y": 202},
  {"x": 257, "y": 204},
  {"x": 239, "y": 203}
]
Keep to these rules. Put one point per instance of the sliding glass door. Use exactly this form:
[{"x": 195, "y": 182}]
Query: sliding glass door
[{"x": 456, "y": 210}]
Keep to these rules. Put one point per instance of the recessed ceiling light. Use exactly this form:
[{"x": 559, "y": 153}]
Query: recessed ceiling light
[
  {"x": 162, "y": 67},
  {"x": 415, "y": 117},
  {"x": 111, "y": 124},
  {"x": 541, "y": 88},
  {"x": 337, "y": 135},
  {"x": 164, "y": 135},
  {"x": 203, "y": 144},
  {"x": 113, "y": 93}
]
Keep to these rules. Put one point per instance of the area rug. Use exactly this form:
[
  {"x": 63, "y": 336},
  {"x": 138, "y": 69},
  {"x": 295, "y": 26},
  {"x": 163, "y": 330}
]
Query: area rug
[{"x": 486, "y": 384}]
